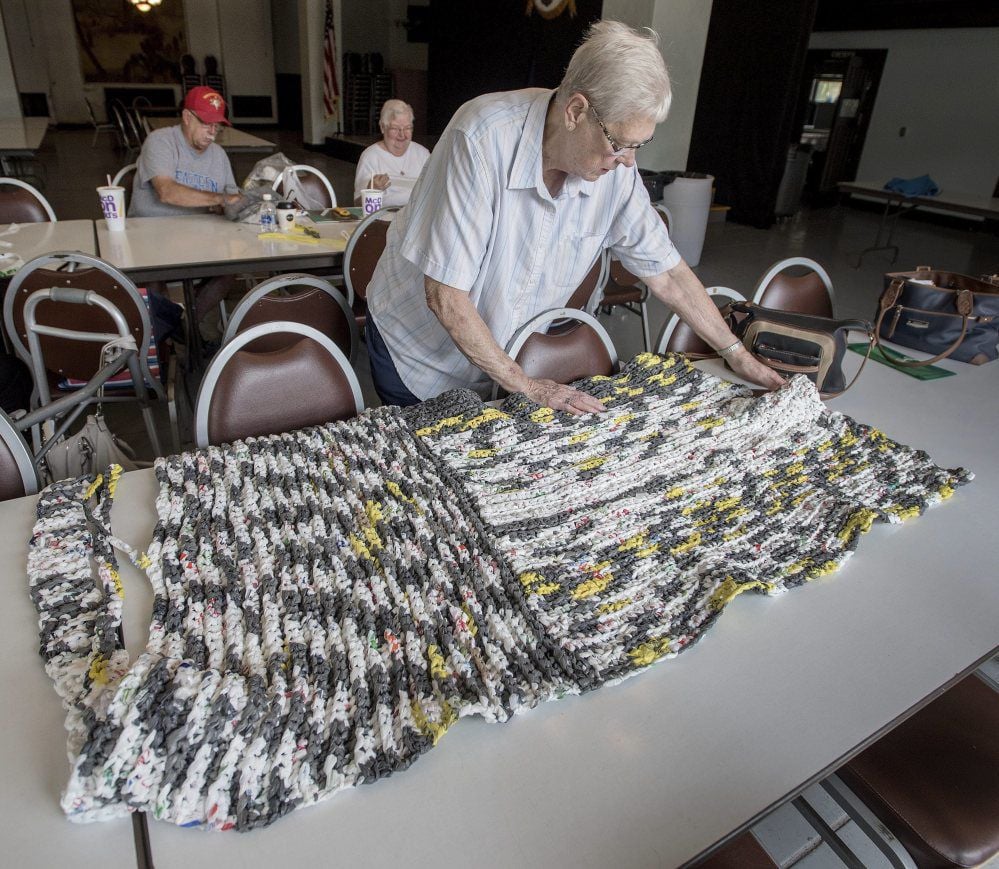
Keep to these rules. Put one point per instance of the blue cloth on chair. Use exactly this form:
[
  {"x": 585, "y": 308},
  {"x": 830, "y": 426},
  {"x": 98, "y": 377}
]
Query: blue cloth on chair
[{"x": 921, "y": 186}]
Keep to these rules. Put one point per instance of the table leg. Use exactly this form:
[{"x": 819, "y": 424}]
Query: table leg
[
  {"x": 195, "y": 351},
  {"x": 888, "y": 220}
]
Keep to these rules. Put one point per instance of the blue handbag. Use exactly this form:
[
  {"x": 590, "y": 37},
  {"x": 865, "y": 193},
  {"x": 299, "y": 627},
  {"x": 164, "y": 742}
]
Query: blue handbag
[{"x": 941, "y": 313}]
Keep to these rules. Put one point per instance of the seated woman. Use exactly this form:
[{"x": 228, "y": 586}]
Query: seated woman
[{"x": 394, "y": 163}]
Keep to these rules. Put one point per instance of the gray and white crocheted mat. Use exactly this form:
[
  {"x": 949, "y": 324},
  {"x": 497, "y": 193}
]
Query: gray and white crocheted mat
[{"x": 329, "y": 602}]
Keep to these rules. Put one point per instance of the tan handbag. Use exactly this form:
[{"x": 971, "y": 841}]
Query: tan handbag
[{"x": 89, "y": 451}]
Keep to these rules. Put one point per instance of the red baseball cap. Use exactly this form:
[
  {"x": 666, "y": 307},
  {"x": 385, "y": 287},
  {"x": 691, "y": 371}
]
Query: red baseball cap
[{"x": 207, "y": 104}]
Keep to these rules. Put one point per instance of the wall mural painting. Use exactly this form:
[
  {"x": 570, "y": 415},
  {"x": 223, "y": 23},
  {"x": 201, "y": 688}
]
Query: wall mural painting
[
  {"x": 551, "y": 8},
  {"x": 118, "y": 43}
]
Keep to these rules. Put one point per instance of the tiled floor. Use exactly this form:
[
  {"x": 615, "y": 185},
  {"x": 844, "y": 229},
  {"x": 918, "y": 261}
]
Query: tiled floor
[{"x": 734, "y": 256}]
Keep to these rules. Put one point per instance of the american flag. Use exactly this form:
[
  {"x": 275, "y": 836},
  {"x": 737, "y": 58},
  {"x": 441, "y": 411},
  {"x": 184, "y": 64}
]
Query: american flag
[{"x": 331, "y": 90}]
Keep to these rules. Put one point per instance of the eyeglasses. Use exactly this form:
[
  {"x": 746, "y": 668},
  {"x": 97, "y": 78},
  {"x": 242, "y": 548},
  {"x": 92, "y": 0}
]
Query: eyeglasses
[
  {"x": 617, "y": 148},
  {"x": 400, "y": 130},
  {"x": 213, "y": 127}
]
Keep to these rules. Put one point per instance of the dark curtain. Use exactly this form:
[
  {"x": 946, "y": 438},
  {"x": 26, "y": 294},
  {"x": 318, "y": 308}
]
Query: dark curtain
[
  {"x": 481, "y": 47},
  {"x": 753, "y": 63}
]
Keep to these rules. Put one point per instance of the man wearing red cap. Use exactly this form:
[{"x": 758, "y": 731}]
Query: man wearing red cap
[{"x": 181, "y": 171}]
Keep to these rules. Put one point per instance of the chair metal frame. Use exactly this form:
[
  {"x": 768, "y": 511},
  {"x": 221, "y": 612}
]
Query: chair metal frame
[
  {"x": 546, "y": 318},
  {"x": 19, "y": 450},
  {"x": 792, "y": 262},
  {"x": 106, "y": 127},
  {"x": 239, "y": 342},
  {"x": 142, "y": 378},
  {"x": 716, "y": 294},
  {"x": 17, "y": 182},
  {"x": 279, "y": 186},
  {"x": 292, "y": 280}
]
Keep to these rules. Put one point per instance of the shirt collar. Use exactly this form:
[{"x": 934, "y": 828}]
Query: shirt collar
[{"x": 525, "y": 173}]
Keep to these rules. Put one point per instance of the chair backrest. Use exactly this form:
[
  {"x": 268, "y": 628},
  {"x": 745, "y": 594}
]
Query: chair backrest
[
  {"x": 68, "y": 358},
  {"x": 309, "y": 181},
  {"x": 587, "y": 294},
  {"x": 296, "y": 298},
  {"x": 364, "y": 248},
  {"x": 125, "y": 177},
  {"x": 246, "y": 394},
  {"x": 120, "y": 117},
  {"x": 18, "y": 475},
  {"x": 810, "y": 292},
  {"x": 565, "y": 356},
  {"x": 677, "y": 337},
  {"x": 21, "y": 203}
]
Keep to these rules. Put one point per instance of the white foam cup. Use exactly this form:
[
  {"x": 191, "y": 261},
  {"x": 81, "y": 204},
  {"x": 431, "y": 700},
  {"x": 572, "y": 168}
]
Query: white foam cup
[{"x": 113, "y": 206}]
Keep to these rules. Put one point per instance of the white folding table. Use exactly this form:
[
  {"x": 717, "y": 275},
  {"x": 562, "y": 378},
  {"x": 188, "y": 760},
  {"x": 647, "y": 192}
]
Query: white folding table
[{"x": 651, "y": 772}]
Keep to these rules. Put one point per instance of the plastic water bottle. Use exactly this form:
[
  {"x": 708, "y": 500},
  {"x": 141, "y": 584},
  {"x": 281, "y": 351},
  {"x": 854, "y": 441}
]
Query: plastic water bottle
[{"x": 268, "y": 217}]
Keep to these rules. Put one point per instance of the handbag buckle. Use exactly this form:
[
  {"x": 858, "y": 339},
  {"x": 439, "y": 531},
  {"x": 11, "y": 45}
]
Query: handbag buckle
[
  {"x": 890, "y": 296},
  {"x": 965, "y": 302}
]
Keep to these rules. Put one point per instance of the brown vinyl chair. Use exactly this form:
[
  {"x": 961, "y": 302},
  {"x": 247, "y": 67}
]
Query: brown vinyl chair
[
  {"x": 586, "y": 296},
  {"x": 364, "y": 249},
  {"x": 623, "y": 288},
  {"x": 796, "y": 284},
  {"x": 308, "y": 180},
  {"x": 64, "y": 357},
  {"x": 296, "y": 298},
  {"x": 18, "y": 475},
  {"x": 22, "y": 203},
  {"x": 677, "y": 337},
  {"x": 565, "y": 355},
  {"x": 933, "y": 781},
  {"x": 247, "y": 394}
]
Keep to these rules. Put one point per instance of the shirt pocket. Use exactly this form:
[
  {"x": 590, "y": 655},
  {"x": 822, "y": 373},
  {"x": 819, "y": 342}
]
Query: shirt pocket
[{"x": 570, "y": 261}]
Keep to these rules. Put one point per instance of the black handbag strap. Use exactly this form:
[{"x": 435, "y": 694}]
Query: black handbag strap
[{"x": 964, "y": 302}]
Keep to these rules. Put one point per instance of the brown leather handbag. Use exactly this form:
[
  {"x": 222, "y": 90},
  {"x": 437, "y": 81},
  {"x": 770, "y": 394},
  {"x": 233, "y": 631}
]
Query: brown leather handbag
[{"x": 941, "y": 313}]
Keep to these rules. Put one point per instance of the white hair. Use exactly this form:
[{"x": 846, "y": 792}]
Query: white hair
[
  {"x": 621, "y": 72},
  {"x": 391, "y": 109}
]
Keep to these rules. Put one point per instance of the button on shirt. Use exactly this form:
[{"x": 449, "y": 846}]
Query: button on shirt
[{"x": 482, "y": 220}]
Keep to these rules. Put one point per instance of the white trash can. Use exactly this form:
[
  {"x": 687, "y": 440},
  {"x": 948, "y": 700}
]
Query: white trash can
[{"x": 688, "y": 198}]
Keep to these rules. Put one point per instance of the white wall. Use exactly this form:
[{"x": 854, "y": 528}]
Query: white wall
[
  {"x": 943, "y": 87},
  {"x": 311, "y": 21},
  {"x": 247, "y": 57},
  {"x": 682, "y": 26}
]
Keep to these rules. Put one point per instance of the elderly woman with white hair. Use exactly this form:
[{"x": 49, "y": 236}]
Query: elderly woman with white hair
[
  {"x": 394, "y": 163},
  {"x": 521, "y": 195}
]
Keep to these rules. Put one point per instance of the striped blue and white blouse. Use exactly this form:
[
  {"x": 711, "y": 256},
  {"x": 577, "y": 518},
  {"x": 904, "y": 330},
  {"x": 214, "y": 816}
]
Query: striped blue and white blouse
[{"x": 482, "y": 220}]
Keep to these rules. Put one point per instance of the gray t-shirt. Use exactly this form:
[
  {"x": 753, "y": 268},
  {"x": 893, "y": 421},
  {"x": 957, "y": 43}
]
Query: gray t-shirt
[{"x": 166, "y": 152}]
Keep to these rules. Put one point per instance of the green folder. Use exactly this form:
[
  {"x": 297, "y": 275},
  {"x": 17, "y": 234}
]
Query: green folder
[{"x": 885, "y": 355}]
